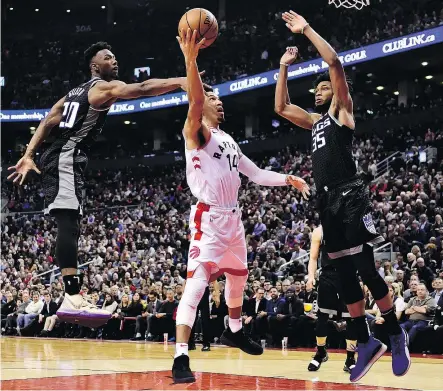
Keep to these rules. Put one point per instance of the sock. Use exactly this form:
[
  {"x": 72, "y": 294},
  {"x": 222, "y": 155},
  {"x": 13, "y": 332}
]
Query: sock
[
  {"x": 349, "y": 355},
  {"x": 321, "y": 341},
  {"x": 235, "y": 324},
  {"x": 391, "y": 323},
  {"x": 72, "y": 284},
  {"x": 361, "y": 328},
  {"x": 138, "y": 335},
  {"x": 180, "y": 349},
  {"x": 350, "y": 346}
]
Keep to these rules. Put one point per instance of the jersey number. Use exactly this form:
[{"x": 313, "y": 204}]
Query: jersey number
[
  {"x": 69, "y": 114},
  {"x": 318, "y": 141},
  {"x": 233, "y": 163}
]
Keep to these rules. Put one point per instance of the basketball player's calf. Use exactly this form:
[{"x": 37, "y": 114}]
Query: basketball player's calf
[
  {"x": 74, "y": 309},
  {"x": 234, "y": 336}
]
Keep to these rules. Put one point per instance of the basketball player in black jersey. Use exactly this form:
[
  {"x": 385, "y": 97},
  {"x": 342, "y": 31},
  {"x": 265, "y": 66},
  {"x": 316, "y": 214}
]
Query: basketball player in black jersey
[
  {"x": 78, "y": 118},
  {"x": 345, "y": 208},
  {"x": 330, "y": 302}
]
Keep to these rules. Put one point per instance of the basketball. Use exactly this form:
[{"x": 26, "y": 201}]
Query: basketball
[{"x": 203, "y": 21}]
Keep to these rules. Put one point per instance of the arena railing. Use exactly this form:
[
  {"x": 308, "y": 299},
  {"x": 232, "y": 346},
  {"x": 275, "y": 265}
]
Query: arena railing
[{"x": 383, "y": 165}]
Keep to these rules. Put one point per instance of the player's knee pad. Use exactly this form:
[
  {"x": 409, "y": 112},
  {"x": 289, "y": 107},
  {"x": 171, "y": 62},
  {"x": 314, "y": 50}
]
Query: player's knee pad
[
  {"x": 68, "y": 230},
  {"x": 321, "y": 328},
  {"x": 194, "y": 290},
  {"x": 366, "y": 268},
  {"x": 234, "y": 290}
]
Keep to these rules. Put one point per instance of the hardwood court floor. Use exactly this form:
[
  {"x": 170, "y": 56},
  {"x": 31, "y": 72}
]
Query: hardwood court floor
[{"x": 60, "y": 364}]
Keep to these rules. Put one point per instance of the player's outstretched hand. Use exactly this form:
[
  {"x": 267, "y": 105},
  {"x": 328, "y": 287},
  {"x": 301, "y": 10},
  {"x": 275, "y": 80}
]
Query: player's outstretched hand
[
  {"x": 290, "y": 55},
  {"x": 299, "y": 184},
  {"x": 189, "y": 45},
  {"x": 294, "y": 22},
  {"x": 21, "y": 169}
]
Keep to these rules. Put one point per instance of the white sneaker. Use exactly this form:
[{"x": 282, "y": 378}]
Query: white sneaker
[{"x": 76, "y": 309}]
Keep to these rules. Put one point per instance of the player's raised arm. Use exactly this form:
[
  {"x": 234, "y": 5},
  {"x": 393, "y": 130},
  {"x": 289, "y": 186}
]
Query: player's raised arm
[
  {"x": 270, "y": 178},
  {"x": 105, "y": 93},
  {"x": 313, "y": 256},
  {"x": 297, "y": 24},
  {"x": 282, "y": 105},
  {"x": 26, "y": 163},
  {"x": 196, "y": 94}
]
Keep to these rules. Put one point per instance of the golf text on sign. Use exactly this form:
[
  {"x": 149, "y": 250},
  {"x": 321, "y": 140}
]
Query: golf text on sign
[{"x": 350, "y": 57}]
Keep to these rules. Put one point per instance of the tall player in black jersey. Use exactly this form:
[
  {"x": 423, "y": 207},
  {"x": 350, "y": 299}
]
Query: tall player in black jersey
[
  {"x": 78, "y": 118},
  {"x": 330, "y": 302},
  {"x": 345, "y": 208}
]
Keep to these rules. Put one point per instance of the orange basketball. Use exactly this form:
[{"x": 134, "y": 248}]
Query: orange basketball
[{"x": 203, "y": 21}]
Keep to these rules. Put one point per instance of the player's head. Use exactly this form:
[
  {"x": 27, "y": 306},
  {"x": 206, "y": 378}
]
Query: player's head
[
  {"x": 101, "y": 61},
  {"x": 213, "y": 107},
  {"x": 323, "y": 91}
]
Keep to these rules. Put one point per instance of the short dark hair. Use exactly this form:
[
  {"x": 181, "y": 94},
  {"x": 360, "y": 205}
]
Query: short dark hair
[
  {"x": 207, "y": 88},
  {"x": 92, "y": 50},
  {"x": 325, "y": 76}
]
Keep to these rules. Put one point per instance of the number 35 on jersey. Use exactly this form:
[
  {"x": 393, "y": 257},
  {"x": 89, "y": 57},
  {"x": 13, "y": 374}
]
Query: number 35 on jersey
[{"x": 318, "y": 134}]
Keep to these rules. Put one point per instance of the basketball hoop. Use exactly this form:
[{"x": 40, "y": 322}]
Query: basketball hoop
[{"x": 358, "y": 4}]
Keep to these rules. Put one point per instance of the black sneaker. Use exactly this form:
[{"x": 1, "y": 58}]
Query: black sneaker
[
  {"x": 349, "y": 364},
  {"x": 181, "y": 372},
  {"x": 206, "y": 348},
  {"x": 241, "y": 341},
  {"x": 316, "y": 361}
]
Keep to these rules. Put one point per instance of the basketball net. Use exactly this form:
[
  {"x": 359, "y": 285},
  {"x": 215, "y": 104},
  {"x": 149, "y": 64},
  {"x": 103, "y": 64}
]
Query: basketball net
[{"x": 358, "y": 4}]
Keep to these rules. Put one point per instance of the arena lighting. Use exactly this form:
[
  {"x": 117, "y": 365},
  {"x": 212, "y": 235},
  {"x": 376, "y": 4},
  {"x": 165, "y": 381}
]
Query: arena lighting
[
  {"x": 424, "y": 63},
  {"x": 32, "y": 128},
  {"x": 127, "y": 122},
  {"x": 11, "y": 9},
  {"x": 115, "y": 22},
  {"x": 396, "y": 93},
  {"x": 429, "y": 77},
  {"x": 379, "y": 88},
  {"x": 311, "y": 90},
  {"x": 68, "y": 11},
  {"x": 369, "y": 75},
  {"x": 36, "y": 10},
  {"x": 103, "y": 7}
]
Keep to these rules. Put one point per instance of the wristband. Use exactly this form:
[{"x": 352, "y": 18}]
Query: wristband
[
  {"x": 303, "y": 28},
  {"x": 286, "y": 65}
]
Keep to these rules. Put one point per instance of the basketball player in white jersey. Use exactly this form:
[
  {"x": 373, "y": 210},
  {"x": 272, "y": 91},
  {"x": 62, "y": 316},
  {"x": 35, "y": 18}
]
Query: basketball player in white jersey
[{"x": 213, "y": 165}]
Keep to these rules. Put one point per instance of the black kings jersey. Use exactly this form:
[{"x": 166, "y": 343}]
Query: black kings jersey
[
  {"x": 81, "y": 123},
  {"x": 332, "y": 161}
]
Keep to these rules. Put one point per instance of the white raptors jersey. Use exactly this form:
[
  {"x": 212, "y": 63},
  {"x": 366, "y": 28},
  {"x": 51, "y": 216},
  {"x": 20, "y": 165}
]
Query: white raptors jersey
[{"x": 212, "y": 170}]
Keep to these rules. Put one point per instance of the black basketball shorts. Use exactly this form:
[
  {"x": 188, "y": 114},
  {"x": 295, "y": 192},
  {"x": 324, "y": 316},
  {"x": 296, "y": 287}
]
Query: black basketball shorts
[
  {"x": 330, "y": 294},
  {"x": 345, "y": 214},
  {"x": 63, "y": 178}
]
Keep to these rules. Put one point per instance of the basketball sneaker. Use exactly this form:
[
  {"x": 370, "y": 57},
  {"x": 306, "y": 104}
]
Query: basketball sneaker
[
  {"x": 181, "y": 372},
  {"x": 242, "y": 341},
  {"x": 368, "y": 354},
  {"x": 401, "y": 361},
  {"x": 349, "y": 364},
  {"x": 317, "y": 360},
  {"x": 76, "y": 309}
]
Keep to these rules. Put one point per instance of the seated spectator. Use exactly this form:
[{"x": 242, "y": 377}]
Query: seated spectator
[
  {"x": 162, "y": 322},
  {"x": 218, "y": 312},
  {"x": 32, "y": 310},
  {"x": 285, "y": 323},
  {"x": 437, "y": 285},
  {"x": 11, "y": 319},
  {"x": 263, "y": 317},
  {"x": 251, "y": 308},
  {"x": 7, "y": 308},
  {"x": 420, "y": 310},
  {"x": 50, "y": 307},
  {"x": 424, "y": 273},
  {"x": 143, "y": 321},
  {"x": 412, "y": 291}
]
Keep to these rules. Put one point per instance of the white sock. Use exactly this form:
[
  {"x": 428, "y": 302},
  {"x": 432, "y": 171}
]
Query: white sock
[
  {"x": 180, "y": 349},
  {"x": 235, "y": 324},
  {"x": 138, "y": 335}
]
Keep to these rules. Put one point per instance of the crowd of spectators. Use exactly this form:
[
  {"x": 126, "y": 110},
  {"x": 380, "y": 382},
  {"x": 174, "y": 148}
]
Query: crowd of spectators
[
  {"x": 38, "y": 72},
  {"x": 135, "y": 237}
]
